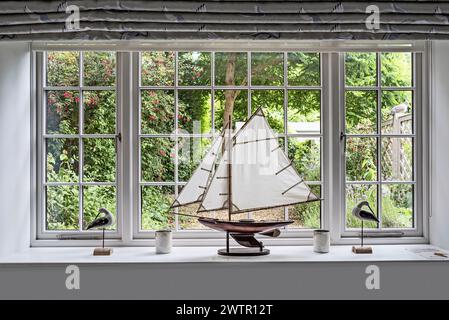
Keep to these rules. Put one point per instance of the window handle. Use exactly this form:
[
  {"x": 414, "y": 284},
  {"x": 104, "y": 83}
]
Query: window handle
[
  {"x": 118, "y": 138},
  {"x": 343, "y": 139}
]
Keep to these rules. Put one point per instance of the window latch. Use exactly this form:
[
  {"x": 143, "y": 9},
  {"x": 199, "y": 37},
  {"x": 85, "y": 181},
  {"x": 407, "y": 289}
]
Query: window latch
[
  {"x": 118, "y": 138},
  {"x": 343, "y": 139}
]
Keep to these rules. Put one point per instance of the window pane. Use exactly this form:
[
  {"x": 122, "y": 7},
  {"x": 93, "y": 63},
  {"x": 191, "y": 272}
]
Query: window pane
[
  {"x": 62, "y": 68},
  {"x": 267, "y": 69},
  {"x": 62, "y": 208},
  {"x": 306, "y": 155},
  {"x": 356, "y": 193},
  {"x": 96, "y": 197},
  {"x": 397, "y": 112},
  {"x": 62, "y": 160},
  {"x": 190, "y": 153},
  {"x": 303, "y": 69},
  {"x": 361, "y": 112},
  {"x": 396, "y": 69},
  {"x": 397, "y": 206},
  {"x": 99, "y": 160},
  {"x": 194, "y": 68},
  {"x": 158, "y": 111},
  {"x": 231, "y": 69},
  {"x": 191, "y": 223},
  {"x": 274, "y": 214},
  {"x": 272, "y": 103},
  {"x": 304, "y": 111},
  {"x": 306, "y": 215},
  {"x": 155, "y": 207},
  {"x": 99, "y": 68},
  {"x": 361, "y": 69},
  {"x": 157, "y": 156},
  {"x": 158, "y": 68},
  {"x": 397, "y": 159},
  {"x": 99, "y": 112},
  {"x": 62, "y": 112},
  {"x": 194, "y": 111},
  {"x": 237, "y": 100},
  {"x": 361, "y": 159}
]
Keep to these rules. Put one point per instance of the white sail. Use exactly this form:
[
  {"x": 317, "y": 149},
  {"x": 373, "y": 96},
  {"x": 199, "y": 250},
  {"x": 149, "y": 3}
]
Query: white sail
[
  {"x": 195, "y": 187},
  {"x": 262, "y": 175}
]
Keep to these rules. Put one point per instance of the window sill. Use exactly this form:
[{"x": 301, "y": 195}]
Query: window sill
[{"x": 295, "y": 254}]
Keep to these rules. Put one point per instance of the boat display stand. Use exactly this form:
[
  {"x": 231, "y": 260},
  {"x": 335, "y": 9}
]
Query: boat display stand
[{"x": 242, "y": 252}]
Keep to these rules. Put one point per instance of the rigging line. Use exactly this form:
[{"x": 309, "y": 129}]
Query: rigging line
[
  {"x": 257, "y": 140},
  {"x": 207, "y": 170},
  {"x": 189, "y": 215},
  {"x": 291, "y": 187},
  {"x": 278, "y": 147},
  {"x": 289, "y": 165},
  {"x": 248, "y": 121},
  {"x": 202, "y": 187}
]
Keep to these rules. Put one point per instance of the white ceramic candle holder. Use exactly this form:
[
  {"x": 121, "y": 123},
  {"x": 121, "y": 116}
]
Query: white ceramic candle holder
[
  {"x": 163, "y": 241},
  {"x": 321, "y": 241}
]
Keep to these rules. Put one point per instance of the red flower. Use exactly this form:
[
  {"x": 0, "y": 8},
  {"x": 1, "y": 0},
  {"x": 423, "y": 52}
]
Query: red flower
[
  {"x": 77, "y": 99},
  {"x": 162, "y": 153},
  {"x": 67, "y": 94},
  {"x": 152, "y": 117}
]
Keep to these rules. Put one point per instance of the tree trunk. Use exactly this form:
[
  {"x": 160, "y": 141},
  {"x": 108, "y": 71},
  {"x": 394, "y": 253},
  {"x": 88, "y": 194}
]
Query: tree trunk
[{"x": 229, "y": 94}]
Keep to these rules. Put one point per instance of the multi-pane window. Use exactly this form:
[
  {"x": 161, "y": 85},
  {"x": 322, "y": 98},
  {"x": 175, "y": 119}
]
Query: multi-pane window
[
  {"x": 132, "y": 146},
  {"x": 183, "y": 96},
  {"x": 380, "y": 137},
  {"x": 79, "y": 121}
]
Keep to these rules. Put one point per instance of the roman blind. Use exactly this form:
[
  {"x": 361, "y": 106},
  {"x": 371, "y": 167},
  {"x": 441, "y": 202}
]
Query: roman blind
[{"x": 243, "y": 19}]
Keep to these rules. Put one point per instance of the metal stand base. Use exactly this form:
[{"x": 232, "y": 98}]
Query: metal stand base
[{"x": 242, "y": 252}]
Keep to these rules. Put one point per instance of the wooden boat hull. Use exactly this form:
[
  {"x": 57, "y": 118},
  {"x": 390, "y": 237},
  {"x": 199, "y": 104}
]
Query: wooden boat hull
[{"x": 245, "y": 227}]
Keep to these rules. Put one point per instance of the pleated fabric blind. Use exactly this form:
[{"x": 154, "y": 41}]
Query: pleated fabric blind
[{"x": 249, "y": 20}]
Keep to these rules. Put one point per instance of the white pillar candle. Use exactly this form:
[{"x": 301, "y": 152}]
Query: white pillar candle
[
  {"x": 163, "y": 241},
  {"x": 321, "y": 241}
]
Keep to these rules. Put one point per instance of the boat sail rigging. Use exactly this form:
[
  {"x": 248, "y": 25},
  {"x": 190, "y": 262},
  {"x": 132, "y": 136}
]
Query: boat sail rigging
[
  {"x": 245, "y": 172},
  {"x": 263, "y": 176}
]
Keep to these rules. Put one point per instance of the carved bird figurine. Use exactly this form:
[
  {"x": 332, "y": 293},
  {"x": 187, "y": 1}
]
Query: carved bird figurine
[
  {"x": 101, "y": 222},
  {"x": 361, "y": 214}
]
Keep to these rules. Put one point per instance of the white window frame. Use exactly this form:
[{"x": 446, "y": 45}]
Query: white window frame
[
  {"x": 417, "y": 145},
  {"x": 332, "y": 167}
]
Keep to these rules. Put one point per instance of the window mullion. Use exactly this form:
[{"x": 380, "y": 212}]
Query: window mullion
[
  {"x": 379, "y": 140},
  {"x": 81, "y": 142},
  {"x": 125, "y": 114},
  {"x": 176, "y": 178},
  {"x": 285, "y": 66}
]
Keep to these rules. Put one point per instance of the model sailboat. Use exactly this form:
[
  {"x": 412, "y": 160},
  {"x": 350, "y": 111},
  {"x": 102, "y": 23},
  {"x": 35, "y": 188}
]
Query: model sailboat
[{"x": 245, "y": 172}]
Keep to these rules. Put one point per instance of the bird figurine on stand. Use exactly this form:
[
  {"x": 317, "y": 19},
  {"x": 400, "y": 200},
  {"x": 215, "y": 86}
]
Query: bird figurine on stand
[
  {"x": 102, "y": 222},
  {"x": 362, "y": 214}
]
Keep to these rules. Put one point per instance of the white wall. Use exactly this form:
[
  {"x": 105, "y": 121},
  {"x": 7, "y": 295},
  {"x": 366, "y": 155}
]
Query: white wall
[
  {"x": 439, "y": 221},
  {"x": 14, "y": 147}
]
